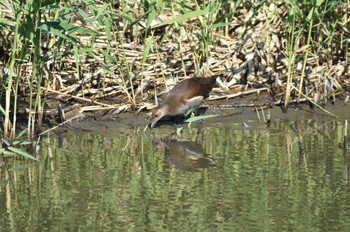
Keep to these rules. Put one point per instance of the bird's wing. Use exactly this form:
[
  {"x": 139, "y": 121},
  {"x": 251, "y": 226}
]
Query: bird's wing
[{"x": 195, "y": 101}]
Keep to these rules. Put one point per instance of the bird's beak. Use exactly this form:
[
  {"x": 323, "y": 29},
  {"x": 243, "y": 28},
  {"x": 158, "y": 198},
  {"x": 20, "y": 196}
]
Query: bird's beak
[
  {"x": 153, "y": 122},
  {"x": 150, "y": 124},
  {"x": 155, "y": 119}
]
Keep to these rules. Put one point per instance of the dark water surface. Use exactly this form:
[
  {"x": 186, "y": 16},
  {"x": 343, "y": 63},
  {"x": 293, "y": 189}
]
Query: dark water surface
[{"x": 291, "y": 176}]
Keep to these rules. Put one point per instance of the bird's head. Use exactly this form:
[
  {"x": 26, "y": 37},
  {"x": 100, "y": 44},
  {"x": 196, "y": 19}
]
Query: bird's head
[{"x": 158, "y": 113}]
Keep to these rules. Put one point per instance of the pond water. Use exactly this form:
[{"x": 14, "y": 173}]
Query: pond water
[{"x": 232, "y": 176}]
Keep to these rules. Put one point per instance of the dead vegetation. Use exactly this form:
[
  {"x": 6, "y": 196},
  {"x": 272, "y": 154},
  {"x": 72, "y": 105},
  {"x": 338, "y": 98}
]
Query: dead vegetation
[{"x": 123, "y": 56}]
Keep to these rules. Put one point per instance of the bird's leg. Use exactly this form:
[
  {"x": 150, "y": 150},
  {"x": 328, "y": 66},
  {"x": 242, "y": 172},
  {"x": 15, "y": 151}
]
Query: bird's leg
[
  {"x": 193, "y": 114},
  {"x": 190, "y": 111}
]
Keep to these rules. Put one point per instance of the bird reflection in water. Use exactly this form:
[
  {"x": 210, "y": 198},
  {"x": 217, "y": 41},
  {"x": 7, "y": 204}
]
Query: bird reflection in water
[{"x": 183, "y": 154}]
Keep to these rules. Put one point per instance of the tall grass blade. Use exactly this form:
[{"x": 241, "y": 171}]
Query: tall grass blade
[
  {"x": 184, "y": 17},
  {"x": 22, "y": 153},
  {"x": 197, "y": 118},
  {"x": 21, "y": 133}
]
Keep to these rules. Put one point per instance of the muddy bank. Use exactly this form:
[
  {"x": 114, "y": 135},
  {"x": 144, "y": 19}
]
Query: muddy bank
[{"x": 236, "y": 110}]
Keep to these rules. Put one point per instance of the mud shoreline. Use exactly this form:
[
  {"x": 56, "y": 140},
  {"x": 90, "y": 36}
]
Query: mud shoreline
[{"x": 236, "y": 110}]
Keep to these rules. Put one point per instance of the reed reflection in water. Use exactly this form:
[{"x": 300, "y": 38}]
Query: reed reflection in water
[{"x": 292, "y": 175}]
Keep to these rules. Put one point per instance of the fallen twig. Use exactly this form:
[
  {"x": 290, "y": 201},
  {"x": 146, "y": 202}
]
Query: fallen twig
[{"x": 237, "y": 94}]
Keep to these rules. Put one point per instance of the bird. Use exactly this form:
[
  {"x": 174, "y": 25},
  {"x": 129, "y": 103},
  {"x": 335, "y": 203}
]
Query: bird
[{"x": 187, "y": 94}]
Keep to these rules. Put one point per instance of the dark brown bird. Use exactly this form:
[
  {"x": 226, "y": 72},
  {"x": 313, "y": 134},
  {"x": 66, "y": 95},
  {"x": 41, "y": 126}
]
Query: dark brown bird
[{"x": 189, "y": 93}]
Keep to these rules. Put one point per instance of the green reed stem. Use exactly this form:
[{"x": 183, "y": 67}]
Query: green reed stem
[{"x": 10, "y": 77}]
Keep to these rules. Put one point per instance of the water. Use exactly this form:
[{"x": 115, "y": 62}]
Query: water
[{"x": 291, "y": 176}]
